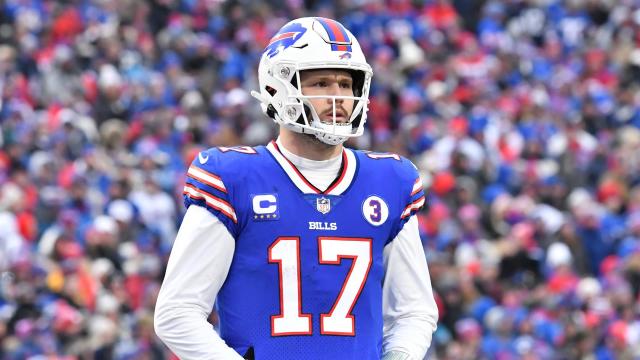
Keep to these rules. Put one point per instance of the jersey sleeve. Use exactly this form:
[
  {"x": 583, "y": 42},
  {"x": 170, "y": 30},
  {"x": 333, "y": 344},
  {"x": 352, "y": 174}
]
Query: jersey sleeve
[
  {"x": 416, "y": 199},
  {"x": 207, "y": 186},
  {"x": 412, "y": 197}
]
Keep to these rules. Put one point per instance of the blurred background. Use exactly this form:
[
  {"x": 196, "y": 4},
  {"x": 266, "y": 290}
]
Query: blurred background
[{"x": 523, "y": 117}]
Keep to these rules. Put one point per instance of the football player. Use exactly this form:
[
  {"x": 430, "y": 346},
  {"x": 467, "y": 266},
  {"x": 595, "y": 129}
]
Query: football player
[{"x": 310, "y": 250}]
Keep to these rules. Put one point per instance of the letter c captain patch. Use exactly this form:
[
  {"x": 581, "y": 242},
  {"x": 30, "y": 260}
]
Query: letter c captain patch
[{"x": 265, "y": 207}]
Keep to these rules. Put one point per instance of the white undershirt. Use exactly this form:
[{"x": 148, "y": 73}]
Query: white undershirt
[
  {"x": 320, "y": 173},
  {"x": 192, "y": 282}
]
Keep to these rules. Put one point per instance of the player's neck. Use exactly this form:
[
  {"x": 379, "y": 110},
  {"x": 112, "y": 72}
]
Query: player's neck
[{"x": 307, "y": 146}]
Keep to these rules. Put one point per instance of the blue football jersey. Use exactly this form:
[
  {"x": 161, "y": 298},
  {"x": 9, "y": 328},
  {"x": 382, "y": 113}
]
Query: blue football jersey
[{"x": 306, "y": 277}]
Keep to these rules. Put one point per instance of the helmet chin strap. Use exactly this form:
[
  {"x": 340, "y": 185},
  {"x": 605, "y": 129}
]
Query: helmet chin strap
[
  {"x": 330, "y": 139},
  {"x": 324, "y": 139}
]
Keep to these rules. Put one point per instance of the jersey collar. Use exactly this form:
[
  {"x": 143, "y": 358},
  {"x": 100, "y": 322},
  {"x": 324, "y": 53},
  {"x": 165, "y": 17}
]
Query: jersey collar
[{"x": 338, "y": 186}]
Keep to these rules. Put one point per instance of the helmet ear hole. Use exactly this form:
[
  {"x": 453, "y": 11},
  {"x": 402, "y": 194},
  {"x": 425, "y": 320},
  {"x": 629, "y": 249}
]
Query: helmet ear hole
[
  {"x": 307, "y": 113},
  {"x": 270, "y": 90},
  {"x": 271, "y": 111}
]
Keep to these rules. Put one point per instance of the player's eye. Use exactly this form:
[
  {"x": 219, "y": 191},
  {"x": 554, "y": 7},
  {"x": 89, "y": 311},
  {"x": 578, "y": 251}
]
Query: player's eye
[{"x": 345, "y": 84}]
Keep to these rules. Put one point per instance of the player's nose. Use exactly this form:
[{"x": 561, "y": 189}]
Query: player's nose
[{"x": 335, "y": 90}]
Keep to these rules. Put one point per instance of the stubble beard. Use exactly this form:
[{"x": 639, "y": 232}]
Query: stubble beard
[{"x": 312, "y": 140}]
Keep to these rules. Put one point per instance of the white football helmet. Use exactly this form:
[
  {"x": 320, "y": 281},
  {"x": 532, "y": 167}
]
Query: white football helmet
[{"x": 305, "y": 44}]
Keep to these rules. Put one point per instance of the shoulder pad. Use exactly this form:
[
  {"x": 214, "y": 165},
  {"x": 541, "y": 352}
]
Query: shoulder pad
[{"x": 211, "y": 179}]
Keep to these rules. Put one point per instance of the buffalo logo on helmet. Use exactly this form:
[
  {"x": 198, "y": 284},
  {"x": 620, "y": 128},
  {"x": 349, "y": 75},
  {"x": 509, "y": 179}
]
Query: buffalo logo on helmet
[{"x": 287, "y": 36}]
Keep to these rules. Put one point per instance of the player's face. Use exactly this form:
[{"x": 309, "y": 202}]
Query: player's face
[{"x": 329, "y": 82}]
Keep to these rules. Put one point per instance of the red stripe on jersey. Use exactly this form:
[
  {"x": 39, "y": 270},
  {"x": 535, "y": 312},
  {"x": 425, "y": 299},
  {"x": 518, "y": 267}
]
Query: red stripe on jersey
[
  {"x": 315, "y": 189},
  {"x": 205, "y": 181},
  {"x": 208, "y": 173},
  {"x": 198, "y": 196},
  {"x": 412, "y": 207},
  {"x": 345, "y": 163},
  {"x": 417, "y": 188}
]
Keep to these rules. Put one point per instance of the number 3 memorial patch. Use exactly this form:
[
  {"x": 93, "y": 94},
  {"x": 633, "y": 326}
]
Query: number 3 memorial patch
[{"x": 375, "y": 210}]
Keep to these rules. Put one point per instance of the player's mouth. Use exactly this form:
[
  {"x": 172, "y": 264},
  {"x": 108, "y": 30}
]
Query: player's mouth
[{"x": 341, "y": 118}]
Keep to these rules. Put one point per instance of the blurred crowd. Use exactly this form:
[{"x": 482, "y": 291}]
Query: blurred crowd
[{"x": 523, "y": 117}]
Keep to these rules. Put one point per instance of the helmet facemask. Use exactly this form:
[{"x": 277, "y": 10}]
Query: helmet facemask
[{"x": 331, "y": 132}]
